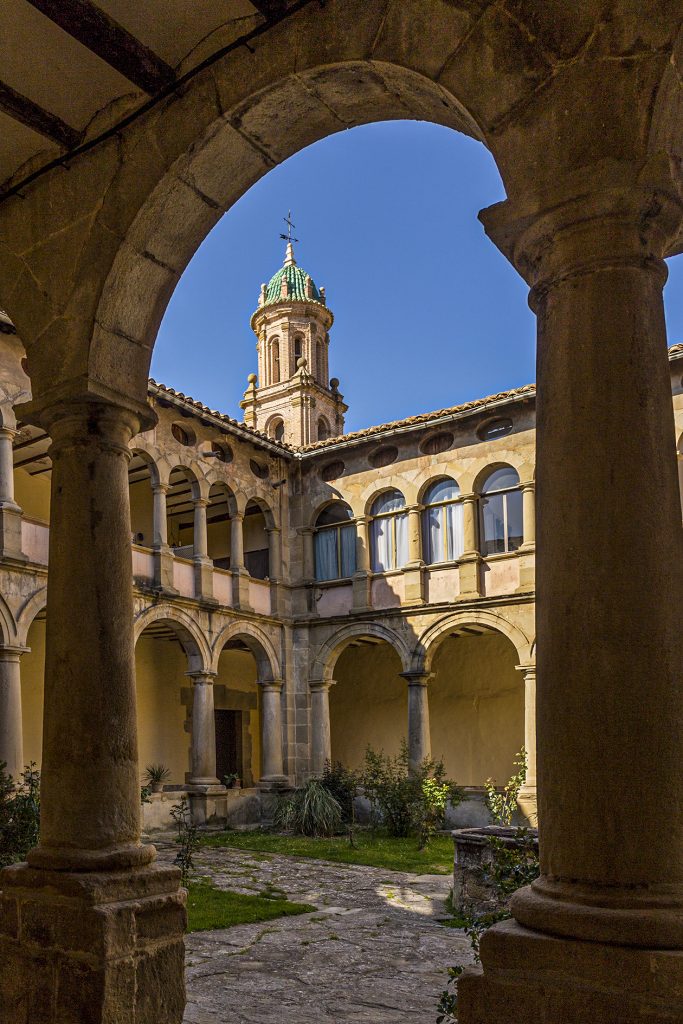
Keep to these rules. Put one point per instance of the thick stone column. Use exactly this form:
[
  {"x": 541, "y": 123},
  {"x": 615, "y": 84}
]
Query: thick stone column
[
  {"x": 603, "y": 925},
  {"x": 203, "y": 566},
  {"x": 468, "y": 563},
  {"x": 10, "y": 512},
  {"x": 11, "y": 735},
  {"x": 163, "y": 556},
  {"x": 271, "y": 732},
  {"x": 419, "y": 738},
  {"x": 413, "y": 571},
  {"x": 240, "y": 576},
  {"x": 100, "y": 932},
  {"x": 362, "y": 591},
  {"x": 203, "y": 755},
  {"x": 527, "y": 799},
  {"x": 321, "y": 743}
]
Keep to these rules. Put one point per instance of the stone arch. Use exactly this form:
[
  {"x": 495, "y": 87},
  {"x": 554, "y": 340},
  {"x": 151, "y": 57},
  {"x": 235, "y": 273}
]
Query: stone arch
[
  {"x": 326, "y": 658},
  {"x": 432, "y": 476},
  {"x": 428, "y": 644},
  {"x": 258, "y": 642},
  {"x": 32, "y": 607},
  {"x": 485, "y": 472},
  {"x": 12, "y": 631},
  {"x": 192, "y": 639},
  {"x": 149, "y": 457}
]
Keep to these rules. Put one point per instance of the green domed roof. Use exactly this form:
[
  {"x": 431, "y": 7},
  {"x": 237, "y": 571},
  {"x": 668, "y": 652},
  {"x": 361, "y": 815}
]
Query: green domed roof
[{"x": 300, "y": 285}]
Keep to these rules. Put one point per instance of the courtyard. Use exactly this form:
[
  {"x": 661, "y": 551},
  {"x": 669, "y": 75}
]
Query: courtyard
[{"x": 373, "y": 950}]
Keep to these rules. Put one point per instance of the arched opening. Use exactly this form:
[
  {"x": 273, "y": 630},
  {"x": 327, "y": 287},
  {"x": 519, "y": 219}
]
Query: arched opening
[
  {"x": 368, "y": 701},
  {"x": 476, "y": 705},
  {"x": 323, "y": 429},
  {"x": 274, "y": 361},
  {"x": 218, "y": 524},
  {"x": 335, "y": 542},
  {"x": 442, "y": 522},
  {"x": 237, "y": 710},
  {"x": 182, "y": 493},
  {"x": 141, "y": 478},
  {"x": 256, "y": 546},
  {"x": 389, "y": 531},
  {"x": 502, "y": 528},
  {"x": 32, "y": 669},
  {"x": 276, "y": 429}
]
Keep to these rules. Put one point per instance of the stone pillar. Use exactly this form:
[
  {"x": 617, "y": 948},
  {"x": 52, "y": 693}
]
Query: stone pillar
[
  {"x": 308, "y": 567},
  {"x": 527, "y": 552},
  {"x": 90, "y": 899},
  {"x": 203, "y": 565},
  {"x": 413, "y": 571},
  {"x": 10, "y": 512},
  {"x": 419, "y": 739},
  {"x": 527, "y": 795},
  {"x": 163, "y": 556},
  {"x": 271, "y": 732},
  {"x": 203, "y": 730},
  {"x": 362, "y": 581},
  {"x": 470, "y": 559},
  {"x": 11, "y": 733},
  {"x": 274, "y": 567},
  {"x": 603, "y": 925},
  {"x": 240, "y": 576},
  {"x": 321, "y": 743}
]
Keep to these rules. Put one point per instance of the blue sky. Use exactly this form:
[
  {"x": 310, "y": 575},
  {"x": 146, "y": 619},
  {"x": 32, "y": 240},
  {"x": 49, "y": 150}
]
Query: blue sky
[{"x": 427, "y": 311}]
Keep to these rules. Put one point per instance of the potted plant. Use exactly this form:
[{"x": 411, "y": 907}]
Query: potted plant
[
  {"x": 155, "y": 776},
  {"x": 232, "y": 781}
]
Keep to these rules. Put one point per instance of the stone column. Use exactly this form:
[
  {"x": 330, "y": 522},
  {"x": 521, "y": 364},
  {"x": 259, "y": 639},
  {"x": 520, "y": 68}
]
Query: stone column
[
  {"x": 527, "y": 795},
  {"x": 274, "y": 567},
  {"x": 419, "y": 739},
  {"x": 308, "y": 604},
  {"x": 10, "y": 512},
  {"x": 240, "y": 576},
  {"x": 609, "y": 642},
  {"x": 163, "y": 556},
  {"x": 321, "y": 743},
  {"x": 90, "y": 897},
  {"x": 11, "y": 733},
  {"x": 203, "y": 565},
  {"x": 469, "y": 561},
  {"x": 271, "y": 732},
  {"x": 362, "y": 589},
  {"x": 527, "y": 552},
  {"x": 413, "y": 571},
  {"x": 203, "y": 730}
]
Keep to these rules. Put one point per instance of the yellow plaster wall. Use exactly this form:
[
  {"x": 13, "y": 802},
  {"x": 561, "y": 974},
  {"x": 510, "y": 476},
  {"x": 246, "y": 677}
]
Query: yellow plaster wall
[
  {"x": 32, "y": 493},
  {"x": 160, "y": 667},
  {"x": 32, "y": 676},
  {"x": 476, "y": 708},
  {"x": 218, "y": 539},
  {"x": 142, "y": 511},
  {"x": 368, "y": 704},
  {"x": 237, "y": 672}
]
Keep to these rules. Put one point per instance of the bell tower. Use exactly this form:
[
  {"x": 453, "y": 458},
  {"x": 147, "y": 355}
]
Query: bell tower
[{"x": 293, "y": 399}]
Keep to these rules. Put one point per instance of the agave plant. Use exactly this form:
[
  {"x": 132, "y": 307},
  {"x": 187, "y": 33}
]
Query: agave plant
[
  {"x": 156, "y": 775},
  {"x": 311, "y": 811}
]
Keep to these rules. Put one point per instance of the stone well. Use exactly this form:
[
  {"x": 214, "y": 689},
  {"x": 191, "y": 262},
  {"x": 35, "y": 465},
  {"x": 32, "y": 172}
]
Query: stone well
[{"x": 472, "y": 891}]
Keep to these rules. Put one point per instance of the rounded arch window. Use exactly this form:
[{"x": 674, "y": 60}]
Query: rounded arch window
[
  {"x": 275, "y": 360},
  {"x": 276, "y": 429},
  {"x": 495, "y": 428},
  {"x": 182, "y": 434},
  {"x": 442, "y": 521},
  {"x": 389, "y": 531},
  {"x": 222, "y": 451},
  {"x": 502, "y": 526},
  {"x": 335, "y": 543},
  {"x": 323, "y": 429}
]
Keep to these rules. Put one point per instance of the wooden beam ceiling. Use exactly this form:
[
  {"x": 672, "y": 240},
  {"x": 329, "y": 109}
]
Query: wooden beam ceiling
[
  {"x": 110, "y": 41},
  {"x": 37, "y": 119}
]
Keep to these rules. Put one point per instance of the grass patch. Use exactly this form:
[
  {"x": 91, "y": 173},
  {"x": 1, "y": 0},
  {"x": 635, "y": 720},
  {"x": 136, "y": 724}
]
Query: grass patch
[
  {"x": 208, "y": 907},
  {"x": 377, "y": 851}
]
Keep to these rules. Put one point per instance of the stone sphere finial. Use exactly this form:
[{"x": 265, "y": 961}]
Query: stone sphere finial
[
  {"x": 301, "y": 363},
  {"x": 251, "y": 379},
  {"x": 334, "y": 383}
]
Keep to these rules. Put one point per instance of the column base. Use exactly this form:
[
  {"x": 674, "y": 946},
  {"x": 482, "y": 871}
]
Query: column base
[
  {"x": 527, "y": 976},
  {"x": 527, "y": 804},
  {"x": 101, "y": 947}
]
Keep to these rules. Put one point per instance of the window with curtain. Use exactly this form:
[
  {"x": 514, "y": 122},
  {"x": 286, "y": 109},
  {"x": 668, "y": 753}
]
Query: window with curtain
[
  {"x": 335, "y": 543},
  {"x": 389, "y": 532},
  {"x": 442, "y": 522},
  {"x": 501, "y": 512}
]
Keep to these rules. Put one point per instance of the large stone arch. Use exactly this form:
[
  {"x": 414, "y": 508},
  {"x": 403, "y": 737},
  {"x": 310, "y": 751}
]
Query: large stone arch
[
  {"x": 325, "y": 660},
  {"x": 27, "y": 613},
  {"x": 11, "y": 631},
  {"x": 192, "y": 639},
  {"x": 258, "y": 642},
  {"x": 488, "y": 621}
]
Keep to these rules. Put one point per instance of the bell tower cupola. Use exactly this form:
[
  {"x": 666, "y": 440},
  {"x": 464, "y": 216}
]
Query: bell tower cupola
[{"x": 293, "y": 399}]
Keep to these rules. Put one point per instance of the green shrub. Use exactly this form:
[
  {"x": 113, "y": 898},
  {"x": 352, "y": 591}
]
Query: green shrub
[
  {"x": 19, "y": 814},
  {"x": 187, "y": 839},
  {"x": 311, "y": 811},
  {"x": 503, "y": 805},
  {"x": 343, "y": 784},
  {"x": 408, "y": 801}
]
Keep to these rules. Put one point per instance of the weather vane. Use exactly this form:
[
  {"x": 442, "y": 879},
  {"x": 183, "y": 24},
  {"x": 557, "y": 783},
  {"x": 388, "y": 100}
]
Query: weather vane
[{"x": 290, "y": 225}]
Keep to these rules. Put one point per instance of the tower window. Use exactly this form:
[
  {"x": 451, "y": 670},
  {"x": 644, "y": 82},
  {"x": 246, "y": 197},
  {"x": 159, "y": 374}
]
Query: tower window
[
  {"x": 323, "y": 429},
  {"x": 275, "y": 360},
  {"x": 276, "y": 429},
  {"x": 298, "y": 349}
]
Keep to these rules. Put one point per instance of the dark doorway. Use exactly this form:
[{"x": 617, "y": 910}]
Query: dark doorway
[{"x": 228, "y": 743}]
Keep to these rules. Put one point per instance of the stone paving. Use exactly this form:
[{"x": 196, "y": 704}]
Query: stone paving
[{"x": 372, "y": 952}]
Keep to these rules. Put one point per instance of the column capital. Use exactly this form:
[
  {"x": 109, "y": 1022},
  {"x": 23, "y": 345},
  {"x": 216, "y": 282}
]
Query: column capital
[
  {"x": 9, "y": 653},
  {"x": 9, "y": 433},
  {"x": 160, "y": 488},
  {"x": 318, "y": 685},
  {"x": 617, "y": 223},
  {"x": 470, "y": 496},
  {"x": 273, "y": 529},
  {"x": 527, "y": 485},
  {"x": 237, "y": 516},
  {"x": 528, "y": 670},
  {"x": 201, "y": 502},
  {"x": 89, "y": 417},
  {"x": 271, "y": 685},
  {"x": 418, "y": 677},
  {"x": 202, "y": 677}
]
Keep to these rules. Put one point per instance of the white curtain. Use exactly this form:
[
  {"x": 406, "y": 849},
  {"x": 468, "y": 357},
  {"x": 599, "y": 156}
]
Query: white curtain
[
  {"x": 453, "y": 516},
  {"x": 401, "y": 540},
  {"x": 382, "y": 553},
  {"x": 348, "y": 550},
  {"x": 326, "y": 567}
]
